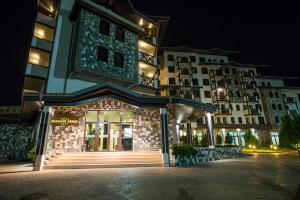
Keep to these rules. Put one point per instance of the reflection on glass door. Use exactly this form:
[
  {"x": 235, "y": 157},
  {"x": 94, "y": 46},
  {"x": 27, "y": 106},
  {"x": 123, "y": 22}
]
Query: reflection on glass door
[
  {"x": 103, "y": 137},
  {"x": 90, "y": 137},
  {"x": 114, "y": 136}
]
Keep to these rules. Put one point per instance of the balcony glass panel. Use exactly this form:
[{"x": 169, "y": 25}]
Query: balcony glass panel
[
  {"x": 43, "y": 32},
  {"x": 38, "y": 57}
]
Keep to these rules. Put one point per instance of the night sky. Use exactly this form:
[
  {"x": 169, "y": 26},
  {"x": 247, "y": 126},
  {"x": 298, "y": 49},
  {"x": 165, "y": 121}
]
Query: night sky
[{"x": 264, "y": 32}]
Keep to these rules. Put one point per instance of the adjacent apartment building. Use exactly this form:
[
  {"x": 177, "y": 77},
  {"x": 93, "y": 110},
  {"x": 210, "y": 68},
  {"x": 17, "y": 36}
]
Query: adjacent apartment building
[{"x": 244, "y": 100}]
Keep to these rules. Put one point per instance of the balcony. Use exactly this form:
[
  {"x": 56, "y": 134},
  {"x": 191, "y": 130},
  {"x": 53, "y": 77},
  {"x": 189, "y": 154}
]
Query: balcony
[
  {"x": 186, "y": 84},
  {"x": 147, "y": 58},
  {"x": 289, "y": 100},
  {"x": 187, "y": 96},
  {"x": 250, "y": 98},
  {"x": 251, "y": 111},
  {"x": 223, "y": 111},
  {"x": 184, "y": 71},
  {"x": 219, "y": 84},
  {"x": 220, "y": 98},
  {"x": 248, "y": 86},
  {"x": 247, "y": 75},
  {"x": 148, "y": 81},
  {"x": 216, "y": 73}
]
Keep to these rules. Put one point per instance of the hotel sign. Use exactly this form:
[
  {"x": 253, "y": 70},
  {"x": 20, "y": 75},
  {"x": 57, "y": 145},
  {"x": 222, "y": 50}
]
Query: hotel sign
[{"x": 60, "y": 119}]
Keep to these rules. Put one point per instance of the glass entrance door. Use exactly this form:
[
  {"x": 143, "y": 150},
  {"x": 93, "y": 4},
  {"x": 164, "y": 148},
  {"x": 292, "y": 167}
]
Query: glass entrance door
[{"x": 103, "y": 137}]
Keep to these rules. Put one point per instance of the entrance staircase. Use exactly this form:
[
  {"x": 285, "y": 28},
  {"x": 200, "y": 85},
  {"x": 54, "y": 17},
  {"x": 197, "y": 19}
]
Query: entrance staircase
[{"x": 86, "y": 160}]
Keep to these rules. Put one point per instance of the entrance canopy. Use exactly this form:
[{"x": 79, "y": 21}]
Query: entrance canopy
[{"x": 109, "y": 90}]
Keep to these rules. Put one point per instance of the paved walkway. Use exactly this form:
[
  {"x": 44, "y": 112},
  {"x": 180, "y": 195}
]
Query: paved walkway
[{"x": 261, "y": 176}]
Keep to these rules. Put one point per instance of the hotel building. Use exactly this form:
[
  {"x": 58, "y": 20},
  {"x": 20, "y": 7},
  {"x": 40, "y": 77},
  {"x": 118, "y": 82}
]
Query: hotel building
[{"x": 93, "y": 80}]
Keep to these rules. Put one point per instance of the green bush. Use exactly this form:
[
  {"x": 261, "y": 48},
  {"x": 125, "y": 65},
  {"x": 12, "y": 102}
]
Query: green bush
[
  {"x": 289, "y": 133},
  {"x": 31, "y": 154},
  {"x": 183, "y": 150},
  {"x": 204, "y": 141},
  {"x": 219, "y": 140},
  {"x": 250, "y": 139}
]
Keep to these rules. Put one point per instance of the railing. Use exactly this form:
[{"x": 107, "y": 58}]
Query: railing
[
  {"x": 289, "y": 100},
  {"x": 147, "y": 58},
  {"x": 224, "y": 111},
  {"x": 247, "y": 75},
  {"x": 220, "y": 98},
  {"x": 217, "y": 72},
  {"x": 249, "y": 86},
  {"x": 148, "y": 81},
  {"x": 251, "y": 111},
  {"x": 250, "y": 98}
]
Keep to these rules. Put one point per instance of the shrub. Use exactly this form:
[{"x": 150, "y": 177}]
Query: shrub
[
  {"x": 219, "y": 140},
  {"x": 204, "y": 141},
  {"x": 289, "y": 130},
  {"x": 183, "y": 150},
  {"x": 31, "y": 154},
  {"x": 251, "y": 139}
]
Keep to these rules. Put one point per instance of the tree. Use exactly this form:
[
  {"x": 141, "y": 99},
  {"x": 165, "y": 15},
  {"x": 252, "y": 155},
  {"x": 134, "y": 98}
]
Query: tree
[
  {"x": 228, "y": 139},
  {"x": 204, "y": 141},
  {"x": 289, "y": 133},
  {"x": 219, "y": 139},
  {"x": 250, "y": 139}
]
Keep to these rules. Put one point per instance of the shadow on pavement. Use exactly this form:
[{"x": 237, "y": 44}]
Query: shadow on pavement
[
  {"x": 35, "y": 196},
  {"x": 184, "y": 195}
]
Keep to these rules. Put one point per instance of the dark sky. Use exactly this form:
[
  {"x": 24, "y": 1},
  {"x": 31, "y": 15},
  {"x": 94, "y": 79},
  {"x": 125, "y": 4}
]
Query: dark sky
[{"x": 264, "y": 32}]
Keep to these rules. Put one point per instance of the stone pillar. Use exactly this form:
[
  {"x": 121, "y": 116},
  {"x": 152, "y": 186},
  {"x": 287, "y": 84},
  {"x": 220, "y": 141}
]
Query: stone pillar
[
  {"x": 239, "y": 136},
  {"x": 223, "y": 136},
  {"x": 177, "y": 133},
  {"x": 165, "y": 137},
  {"x": 189, "y": 132},
  {"x": 42, "y": 137},
  {"x": 210, "y": 131}
]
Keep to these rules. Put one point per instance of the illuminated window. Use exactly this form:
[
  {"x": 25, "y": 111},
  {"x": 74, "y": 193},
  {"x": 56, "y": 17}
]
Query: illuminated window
[
  {"x": 44, "y": 32},
  {"x": 39, "y": 57}
]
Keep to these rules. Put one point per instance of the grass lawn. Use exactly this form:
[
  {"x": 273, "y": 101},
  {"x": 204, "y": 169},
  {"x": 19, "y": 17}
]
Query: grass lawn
[{"x": 260, "y": 150}]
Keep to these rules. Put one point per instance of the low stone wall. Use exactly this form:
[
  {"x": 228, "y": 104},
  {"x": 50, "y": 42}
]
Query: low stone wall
[
  {"x": 208, "y": 155},
  {"x": 14, "y": 144}
]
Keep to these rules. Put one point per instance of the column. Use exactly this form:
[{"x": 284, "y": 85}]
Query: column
[
  {"x": 165, "y": 138},
  {"x": 189, "y": 133},
  {"x": 41, "y": 143},
  {"x": 238, "y": 130},
  {"x": 210, "y": 131},
  {"x": 223, "y": 136}
]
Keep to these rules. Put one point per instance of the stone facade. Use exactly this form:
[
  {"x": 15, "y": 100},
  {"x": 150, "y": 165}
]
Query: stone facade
[
  {"x": 208, "y": 155},
  {"x": 14, "y": 144},
  {"x": 146, "y": 127},
  {"x": 88, "y": 39}
]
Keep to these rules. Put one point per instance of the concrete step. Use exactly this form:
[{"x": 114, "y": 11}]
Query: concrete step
[{"x": 104, "y": 159}]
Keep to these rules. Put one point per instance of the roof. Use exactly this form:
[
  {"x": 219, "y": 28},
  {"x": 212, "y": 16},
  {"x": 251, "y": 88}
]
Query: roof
[
  {"x": 277, "y": 77},
  {"x": 184, "y": 48},
  {"x": 235, "y": 63},
  {"x": 110, "y": 90}
]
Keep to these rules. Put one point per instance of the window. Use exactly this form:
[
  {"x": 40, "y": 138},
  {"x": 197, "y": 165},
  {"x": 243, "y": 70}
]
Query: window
[
  {"x": 221, "y": 61},
  {"x": 270, "y": 94},
  {"x": 104, "y": 27},
  {"x": 120, "y": 34},
  {"x": 172, "y": 81},
  {"x": 233, "y": 70},
  {"x": 276, "y": 119},
  {"x": 244, "y": 107},
  {"x": 194, "y": 70},
  {"x": 199, "y": 121},
  {"x": 170, "y": 57},
  {"x": 236, "y": 82},
  {"x": 240, "y": 120},
  {"x": 202, "y": 60},
  {"x": 44, "y": 32},
  {"x": 263, "y": 84},
  {"x": 273, "y": 106},
  {"x": 229, "y": 81},
  {"x": 224, "y": 120},
  {"x": 195, "y": 81},
  {"x": 276, "y": 94},
  {"x": 261, "y": 120},
  {"x": 230, "y": 106},
  {"x": 192, "y": 59},
  {"x": 258, "y": 107},
  {"x": 207, "y": 94},
  {"x": 205, "y": 82},
  {"x": 119, "y": 60},
  {"x": 209, "y": 60},
  {"x": 253, "y": 120},
  {"x": 232, "y": 120},
  {"x": 171, "y": 69},
  {"x": 39, "y": 57},
  {"x": 196, "y": 93},
  {"x": 247, "y": 121},
  {"x": 279, "y": 106},
  {"x": 204, "y": 70},
  {"x": 172, "y": 92},
  {"x": 269, "y": 84},
  {"x": 218, "y": 120},
  {"x": 256, "y": 94},
  {"x": 238, "y": 107},
  {"x": 102, "y": 54}
]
